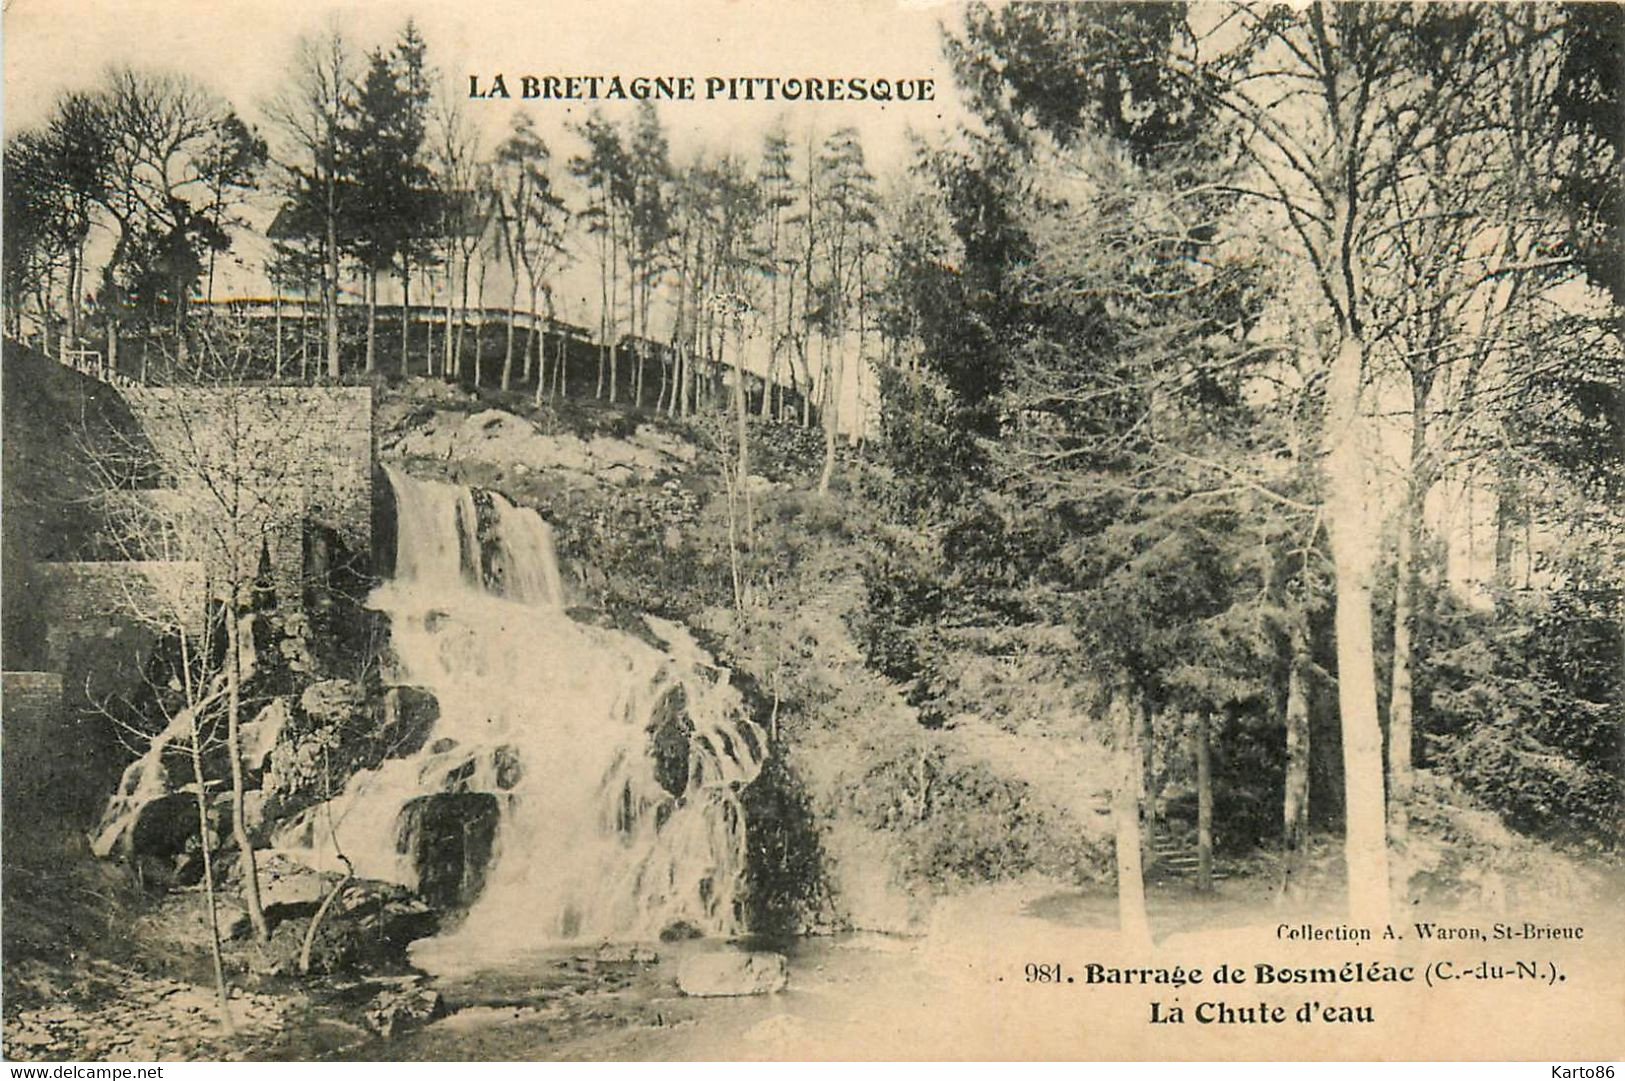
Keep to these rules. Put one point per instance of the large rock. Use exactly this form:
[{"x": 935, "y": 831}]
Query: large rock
[
  {"x": 368, "y": 928},
  {"x": 332, "y": 700},
  {"x": 288, "y": 891},
  {"x": 711, "y": 975},
  {"x": 283, "y": 882},
  {"x": 449, "y": 836},
  {"x": 259, "y": 735},
  {"x": 407, "y": 716},
  {"x": 396, "y": 1011}
]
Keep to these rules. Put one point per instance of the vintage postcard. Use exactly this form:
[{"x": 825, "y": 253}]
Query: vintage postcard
[{"x": 875, "y": 529}]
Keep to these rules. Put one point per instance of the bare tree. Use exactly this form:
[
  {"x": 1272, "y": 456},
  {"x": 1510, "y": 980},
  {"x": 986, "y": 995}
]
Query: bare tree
[
  {"x": 224, "y": 475},
  {"x": 531, "y": 231},
  {"x": 455, "y": 168},
  {"x": 311, "y": 115},
  {"x": 170, "y": 604}
]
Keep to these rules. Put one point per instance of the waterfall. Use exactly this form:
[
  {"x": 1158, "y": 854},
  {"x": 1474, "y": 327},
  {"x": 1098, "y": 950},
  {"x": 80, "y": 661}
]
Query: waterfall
[{"x": 613, "y": 765}]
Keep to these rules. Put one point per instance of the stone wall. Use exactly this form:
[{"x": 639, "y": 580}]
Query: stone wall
[
  {"x": 101, "y": 619},
  {"x": 29, "y": 697},
  {"x": 31, "y": 734},
  {"x": 250, "y": 469}
]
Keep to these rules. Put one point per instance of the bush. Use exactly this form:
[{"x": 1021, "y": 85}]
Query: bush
[
  {"x": 957, "y": 822},
  {"x": 1526, "y": 709}
]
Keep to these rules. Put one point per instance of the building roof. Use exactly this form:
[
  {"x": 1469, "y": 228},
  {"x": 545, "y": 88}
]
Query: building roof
[{"x": 469, "y": 216}]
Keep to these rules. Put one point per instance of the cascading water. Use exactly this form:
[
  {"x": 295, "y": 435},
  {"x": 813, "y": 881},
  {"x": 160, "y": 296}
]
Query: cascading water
[{"x": 615, "y": 766}]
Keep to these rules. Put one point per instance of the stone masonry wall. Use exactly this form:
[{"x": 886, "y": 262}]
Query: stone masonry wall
[
  {"x": 30, "y": 734},
  {"x": 270, "y": 459},
  {"x": 101, "y": 619}
]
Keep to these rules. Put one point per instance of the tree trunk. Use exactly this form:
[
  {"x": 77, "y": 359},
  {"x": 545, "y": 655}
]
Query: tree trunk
[
  {"x": 372, "y": 319},
  {"x": 308, "y": 946},
  {"x": 406, "y": 316},
  {"x": 447, "y": 336},
  {"x": 1148, "y": 793},
  {"x": 330, "y": 287},
  {"x": 831, "y": 417},
  {"x": 741, "y": 430},
  {"x": 462, "y": 322},
  {"x": 854, "y": 435},
  {"x": 1204, "y": 804},
  {"x": 765, "y": 410},
  {"x": 429, "y": 284},
  {"x": 234, "y": 749},
  {"x": 1295, "y": 803},
  {"x": 1399, "y": 698},
  {"x": 1506, "y": 522},
  {"x": 1353, "y": 547},
  {"x": 206, "y": 844},
  {"x": 277, "y": 319},
  {"x": 535, "y": 346},
  {"x": 614, "y": 315},
  {"x": 603, "y": 315},
  {"x": 507, "y": 354},
  {"x": 806, "y": 384},
  {"x": 675, "y": 409},
  {"x": 76, "y": 273},
  {"x": 479, "y": 327},
  {"x": 44, "y": 300},
  {"x": 1133, "y": 926},
  {"x": 637, "y": 343},
  {"x": 561, "y": 356}
]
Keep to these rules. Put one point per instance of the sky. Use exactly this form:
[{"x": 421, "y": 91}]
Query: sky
[{"x": 242, "y": 50}]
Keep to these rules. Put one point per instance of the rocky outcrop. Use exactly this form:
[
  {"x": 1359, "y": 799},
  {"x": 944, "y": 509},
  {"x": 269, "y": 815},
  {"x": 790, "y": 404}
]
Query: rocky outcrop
[
  {"x": 407, "y": 716},
  {"x": 503, "y": 439},
  {"x": 146, "y": 1019},
  {"x": 259, "y": 736},
  {"x": 449, "y": 836},
  {"x": 732, "y": 973},
  {"x": 395, "y": 1011},
  {"x": 332, "y": 701},
  {"x": 367, "y": 929}
]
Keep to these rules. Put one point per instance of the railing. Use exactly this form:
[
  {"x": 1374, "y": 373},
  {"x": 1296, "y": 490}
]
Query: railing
[
  {"x": 90, "y": 362},
  {"x": 295, "y": 307}
]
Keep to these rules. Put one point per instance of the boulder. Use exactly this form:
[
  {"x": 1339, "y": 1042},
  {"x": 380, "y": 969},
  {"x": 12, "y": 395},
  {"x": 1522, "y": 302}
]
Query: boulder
[
  {"x": 680, "y": 931},
  {"x": 670, "y": 735},
  {"x": 254, "y": 801},
  {"x": 396, "y": 1011},
  {"x": 507, "y": 767},
  {"x": 368, "y": 929},
  {"x": 285, "y": 883},
  {"x": 730, "y": 973},
  {"x": 332, "y": 701},
  {"x": 448, "y": 837},
  {"x": 625, "y": 953},
  {"x": 259, "y": 735},
  {"x": 407, "y": 717}
]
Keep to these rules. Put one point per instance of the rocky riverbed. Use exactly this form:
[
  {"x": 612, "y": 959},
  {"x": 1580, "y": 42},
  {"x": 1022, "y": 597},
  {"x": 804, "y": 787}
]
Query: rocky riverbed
[{"x": 102, "y": 1011}]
